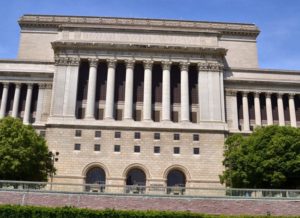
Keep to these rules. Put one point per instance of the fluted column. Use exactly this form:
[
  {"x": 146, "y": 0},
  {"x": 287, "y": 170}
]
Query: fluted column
[
  {"x": 280, "y": 110},
  {"x": 110, "y": 90},
  {"x": 28, "y": 104},
  {"x": 257, "y": 109},
  {"x": 16, "y": 100},
  {"x": 246, "y": 112},
  {"x": 147, "y": 108},
  {"x": 166, "y": 92},
  {"x": 4, "y": 100},
  {"x": 91, "y": 95},
  {"x": 292, "y": 110},
  {"x": 184, "y": 92},
  {"x": 128, "y": 106},
  {"x": 269, "y": 109}
]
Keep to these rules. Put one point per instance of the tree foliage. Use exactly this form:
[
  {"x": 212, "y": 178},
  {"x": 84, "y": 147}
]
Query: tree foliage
[
  {"x": 23, "y": 153},
  {"x": 268, "y": 158}
]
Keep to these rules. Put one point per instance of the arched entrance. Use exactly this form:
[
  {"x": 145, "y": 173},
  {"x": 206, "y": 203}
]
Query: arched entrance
[
  {"x": 96, "y": 177},
  {"x": 135, "y": 181},
  {"x": 176, "y": 181}
]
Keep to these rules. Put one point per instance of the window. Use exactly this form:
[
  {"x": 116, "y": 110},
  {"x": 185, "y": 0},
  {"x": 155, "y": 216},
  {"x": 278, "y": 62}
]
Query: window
[
  {"x": 196, "y": 150},
  {"x": 97, "y": 134},
  {"x": 78, "y": 133},
  {"x": 137, "y": 135},
  {"x": 77, "y": 147},
  {"x": 137, "y": 149},
  {"x": 43, "y": 133},
  {"x": 176, "y": 136},
  {"x": 157, "y": 136},
  {"x": 156, "y": 149},
  {"x": 195, "y": 137},
  {"x": 176, "y": 150},
  {"x": 117, "y": 148},
  {"x": 117, "y": 135},
  {"x": 97, "y": 147}
]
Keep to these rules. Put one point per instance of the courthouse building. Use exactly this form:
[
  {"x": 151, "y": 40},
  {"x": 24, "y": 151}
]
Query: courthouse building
[{"x": 142, "y": 101}]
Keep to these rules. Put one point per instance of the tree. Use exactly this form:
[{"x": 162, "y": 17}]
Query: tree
[
  {"x": 23, "y": 153},
  {"x": 267, "y": 158}
]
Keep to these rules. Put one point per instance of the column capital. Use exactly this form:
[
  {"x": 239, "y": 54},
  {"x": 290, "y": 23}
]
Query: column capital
[
  {"x": 245, "y": 93},
  {"x": 74, "y": 61},
  {"x": 93, "y": 62},
  {"x": 29, "y": 85},
  {"x": 279, "y": 94},
  {"x": 130, "y": 63},
  {"x": 148, "y": 64},
  {"x": 166, "y": 65},
  {"x": 268, "y": 94},
  {"x": 202, "y": 66},
  {"x": 184, "y": 66},
  {"x": 257, "y": 94},
  {"x": 291, "y": 95},
  {"x": 5, "y": 84},
  {"x": 42, "y": 85},
  {"x": 61, "y": 61},
  {"x": 18, "y": 85},
  {"x": 231, "y": 92},
  {"x": 111, "y": 63}
]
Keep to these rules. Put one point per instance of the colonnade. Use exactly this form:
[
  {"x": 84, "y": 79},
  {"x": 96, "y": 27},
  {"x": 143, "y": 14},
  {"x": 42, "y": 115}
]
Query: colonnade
[
  {"x": 147, "y": 95},
  {"x": 17, "y": 97},
  {"x": 257, "y": 109}
]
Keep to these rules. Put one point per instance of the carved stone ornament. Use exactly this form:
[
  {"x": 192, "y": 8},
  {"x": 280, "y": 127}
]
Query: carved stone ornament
[
  {"x": 59, "y": 61},
  {"x": 93, "y": 62},
  {"x": 111, "y": 63},
  {"x": 184, "y": 66},
  {"x": 166, "y": 65},
  {"x": 231, "y": 92},
  {"x": 148, "y": 64},
  {"x": 74, "y": 61},
  {"x": 129, "y": 63}
]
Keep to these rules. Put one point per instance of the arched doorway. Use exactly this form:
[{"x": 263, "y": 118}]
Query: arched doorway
[
  {"x": 135, "y": 181},
  {"x": 96, "y": 177},
  {"x": 176, "y": 181}
]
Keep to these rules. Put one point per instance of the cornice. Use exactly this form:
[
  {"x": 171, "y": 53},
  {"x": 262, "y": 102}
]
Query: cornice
[
  {"x": 139, "y": 23},
  {"x": 61, "y": 45}
]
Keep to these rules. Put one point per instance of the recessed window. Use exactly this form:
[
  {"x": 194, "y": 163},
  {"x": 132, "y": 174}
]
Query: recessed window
[
  {"x": 78, "y": 133},
  {"x": 176, "y": 150},
  {"x": 157, "y": 136},
  {"x": 137, "y": 135},
  {"x": 117, "y": 135},
  {"x": 195, "y": 137},
  {"x": 77, "y": 147},
  {"x": 97, "y": 134},
  {"x": 97, "y": 147},
  {"x": 137, "y": 149},
  {"x": 156, "y": 149},
  {"x": 43, "y": 133},
  {"x": 176, "y": 136},
  {"x": 117, "y": 148},
  {"x": 196, "y": 150}
]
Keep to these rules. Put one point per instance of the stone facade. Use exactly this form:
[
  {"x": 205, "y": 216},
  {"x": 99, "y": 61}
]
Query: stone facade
[{"x": 156, "y": 96}]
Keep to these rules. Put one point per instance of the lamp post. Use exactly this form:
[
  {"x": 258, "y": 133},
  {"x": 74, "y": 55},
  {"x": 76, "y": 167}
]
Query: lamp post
[{"x": 54, "y": 158}]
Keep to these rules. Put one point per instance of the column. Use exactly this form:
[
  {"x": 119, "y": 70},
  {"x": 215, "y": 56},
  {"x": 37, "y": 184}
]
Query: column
[
  {"x": 128, "y": 106},
  {"x": 4, "y": 100},
  {"x": 292, "y": 110},
  {"x": 280, "y": 110},
  {"x": 40, "y": 101},
  {"x": 269, "y": 109},
  {"x": 91, "y": 95},
  {"x": 16, "y": 100},
  {"x": 234, "y": 109},
  {"x": 184, "y": 92},
  {"x": 166, "y": 92},
  {"x": 257, "y": 109},
  {"x": 246, "y": 112},
  {"x": 110, "y": 90},
  {"x": 147, "y": 108},
  {"x": 27, "y": 104}
]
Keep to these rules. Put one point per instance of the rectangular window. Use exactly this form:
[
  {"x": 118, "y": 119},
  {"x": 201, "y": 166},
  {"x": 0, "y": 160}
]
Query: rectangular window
[
  {"x": 157, "y": 136},
  {"x": 97, "y": 147},
  {"x": 117, "y": 148},
  {"x": 137, "y": 135},
  {"x": 137, "y": 149},
  {"x": 43, "y": 133},
  {"x": 78, "y": 133},
  {"x": 196, "y": 150},
  {"x": 77, "y": 147},
  {"x": 176, "y": 136},
  {"x": 195, "y": 137},
  {"x": 117, "y": 135},
  {"x": 176, "y": 150},
  {"x": 97, "y": 134},
  {"x": 156, "y": 149}
]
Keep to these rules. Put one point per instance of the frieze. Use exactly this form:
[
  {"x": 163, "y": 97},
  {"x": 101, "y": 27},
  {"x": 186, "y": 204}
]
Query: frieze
[{"x": 64, "y": 61}]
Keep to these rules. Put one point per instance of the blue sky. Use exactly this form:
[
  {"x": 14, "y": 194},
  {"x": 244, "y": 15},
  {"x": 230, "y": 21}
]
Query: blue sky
[{"x": 278, "y": 20}]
